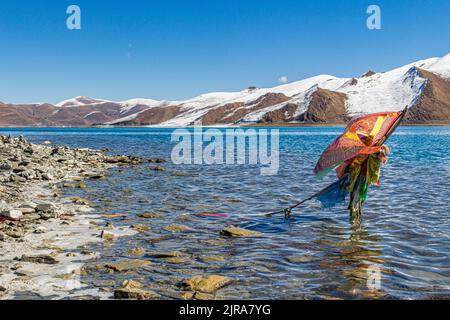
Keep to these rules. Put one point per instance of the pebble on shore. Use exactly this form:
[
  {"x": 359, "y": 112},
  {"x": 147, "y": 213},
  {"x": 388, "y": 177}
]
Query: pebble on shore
[{"x": 31, "y": 176}]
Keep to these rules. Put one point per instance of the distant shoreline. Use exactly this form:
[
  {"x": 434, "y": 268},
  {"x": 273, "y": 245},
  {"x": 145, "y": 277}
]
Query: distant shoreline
[{"x": 249, "y": 125}]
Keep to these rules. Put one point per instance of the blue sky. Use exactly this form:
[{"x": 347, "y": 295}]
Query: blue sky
[{"x": 176, "y": 49}]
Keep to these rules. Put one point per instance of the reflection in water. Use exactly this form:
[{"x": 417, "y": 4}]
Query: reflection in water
[{"x": 355, "y": 261}]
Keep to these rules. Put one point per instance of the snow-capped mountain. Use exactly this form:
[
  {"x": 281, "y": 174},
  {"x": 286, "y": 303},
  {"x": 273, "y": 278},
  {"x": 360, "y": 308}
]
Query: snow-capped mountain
[{"x": 423, "y": 85}]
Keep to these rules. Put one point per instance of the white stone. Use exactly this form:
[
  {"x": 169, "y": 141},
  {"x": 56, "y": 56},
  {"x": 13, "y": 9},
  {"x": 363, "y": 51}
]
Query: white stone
[{"x": 13, "y": 214}]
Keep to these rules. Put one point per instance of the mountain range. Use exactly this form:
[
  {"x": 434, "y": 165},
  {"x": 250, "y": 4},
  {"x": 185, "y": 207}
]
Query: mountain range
[{"x": 424, "y": 86}]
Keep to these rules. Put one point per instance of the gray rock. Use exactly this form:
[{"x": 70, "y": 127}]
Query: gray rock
[
  {"x": 46, "y": 208},
  {"x": 5, "y": 167},
  {"x": 15, "y": 178},
  {"x": 45, "y": 216},
  {"x": 43, "y": 259},
  {"x": 16, "y": 234},
  {"x": 47, "y": 176}
]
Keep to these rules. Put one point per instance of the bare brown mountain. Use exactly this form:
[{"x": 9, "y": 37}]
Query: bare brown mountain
[
  {"x": 233, "y": 112},
  {"x": 423, "y": 85},
  {"x": 47, "y": 115},
  {"x": 151, "y": 116},
  {"x": 433, "y": 104},
  {"x": 325, "y": 106},
  {"x": 283, "y": 114},
  {"x": 35, "y": 115}
]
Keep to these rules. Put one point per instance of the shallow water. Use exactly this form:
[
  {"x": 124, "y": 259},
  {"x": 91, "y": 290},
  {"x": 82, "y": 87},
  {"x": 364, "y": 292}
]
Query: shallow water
[{"x": 318, "y": 253}]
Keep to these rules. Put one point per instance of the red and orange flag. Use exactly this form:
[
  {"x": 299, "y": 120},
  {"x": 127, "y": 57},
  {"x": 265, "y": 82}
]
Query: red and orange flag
[{"x": 361, "y": 138}]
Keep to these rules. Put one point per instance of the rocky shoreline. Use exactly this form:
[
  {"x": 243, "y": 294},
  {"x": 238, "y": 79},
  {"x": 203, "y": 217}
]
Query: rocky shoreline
[
  {"x": 46, "y": 236},
  {"x": 38, "y": 225}
]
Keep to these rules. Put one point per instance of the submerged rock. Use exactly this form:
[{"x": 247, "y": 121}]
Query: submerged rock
[
  {"x": 149, "y": 215},
  {"x": 179, "y": 173},
  {"x": 127, "y": 265},
  {"x": 161, "y": 255},
  {"x": 133, "y": 290},
  {"x": 156, "y": 160},
  {"x": 169, "y": 257},
  {"x": 239, "y": 232},
  {"x": 212, "y": 258},
  {"x": 177, "y": 228},
  {"x": 106, "y": 235},
  {"x": 97, "y": 177},
  {"x": 132, "y": 284},
  {"x": 76, "y": 178},
  {"x": 87, "y": 252},
  {"x": 157, "y": 168},
  {"x": 300, "y": 259},
  {"x": 176, "y": 260},
  {"x": 136, "y": 252},
  {"x": 159, "y": 239},
  {"x": 214, "y": 242},
  {"x": 208, "y": 284},
  {"x": 140, "y": 227},
  {"x": 135, "y": 293},
  {"x": 187, "y": 295}
]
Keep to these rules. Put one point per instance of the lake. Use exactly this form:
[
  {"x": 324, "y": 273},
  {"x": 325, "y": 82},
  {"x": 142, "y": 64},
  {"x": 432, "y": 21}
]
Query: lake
[{"x": 404, "y": 236}]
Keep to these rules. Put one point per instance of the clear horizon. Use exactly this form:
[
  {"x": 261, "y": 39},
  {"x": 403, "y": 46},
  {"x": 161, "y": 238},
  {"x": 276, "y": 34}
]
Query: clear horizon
[{"x": 177, "y": 50}]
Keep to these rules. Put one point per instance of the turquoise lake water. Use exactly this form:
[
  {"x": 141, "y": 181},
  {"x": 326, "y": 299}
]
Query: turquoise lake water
[{"x": 318, "y": 253}]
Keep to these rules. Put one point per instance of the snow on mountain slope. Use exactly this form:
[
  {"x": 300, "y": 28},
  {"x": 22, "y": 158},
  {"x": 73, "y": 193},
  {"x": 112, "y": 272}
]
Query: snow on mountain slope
[
  {"x": 301, "y": 99},
  {"x": 300, "y": 92},
  {"x": 197, "y": 107},
  {"x": 441, "y": 67},
  {"x": 127, "y": 105},
  {"x": 386, "y": 91},
  {"x": 79, "y": 101}
]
